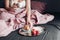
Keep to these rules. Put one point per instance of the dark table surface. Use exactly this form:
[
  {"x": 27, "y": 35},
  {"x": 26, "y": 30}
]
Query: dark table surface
[{"x": 52, "y": 32}]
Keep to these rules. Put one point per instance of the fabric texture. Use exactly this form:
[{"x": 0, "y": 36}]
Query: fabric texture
[{"x": 39, "y": 6}]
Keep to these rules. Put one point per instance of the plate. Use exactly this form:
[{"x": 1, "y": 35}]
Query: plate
[{"x": 34, "y": 31}]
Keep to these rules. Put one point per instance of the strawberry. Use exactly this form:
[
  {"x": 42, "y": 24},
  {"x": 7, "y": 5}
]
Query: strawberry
[
  {"x": 37, "y": 32},
  {"x": 34, "y": 32}
]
